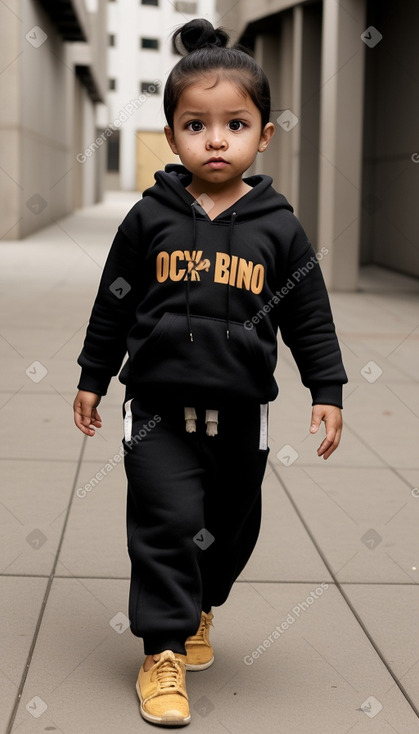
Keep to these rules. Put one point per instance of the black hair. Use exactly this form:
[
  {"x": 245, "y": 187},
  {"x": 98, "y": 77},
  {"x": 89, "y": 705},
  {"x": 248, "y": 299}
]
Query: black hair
[{"x": 205, "y": 49}]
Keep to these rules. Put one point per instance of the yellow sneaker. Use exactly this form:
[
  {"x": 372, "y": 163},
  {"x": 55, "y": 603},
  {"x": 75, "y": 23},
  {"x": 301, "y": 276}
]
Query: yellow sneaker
[
  {"x": 162, "y": 691},
  {"x": 199, "y": 652}
]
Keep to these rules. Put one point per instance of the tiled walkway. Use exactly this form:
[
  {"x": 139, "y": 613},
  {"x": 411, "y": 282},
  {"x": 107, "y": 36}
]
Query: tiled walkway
[{"x": 320, "y": 634}]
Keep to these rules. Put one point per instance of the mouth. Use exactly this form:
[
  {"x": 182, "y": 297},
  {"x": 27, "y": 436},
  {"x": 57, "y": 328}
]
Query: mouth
[{"x": 217, "y": 163}]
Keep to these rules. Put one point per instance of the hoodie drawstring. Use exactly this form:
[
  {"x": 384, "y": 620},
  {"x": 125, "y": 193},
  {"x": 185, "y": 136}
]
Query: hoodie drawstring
[
  {"x": 211, "y": 416},
  {"x": 230, "y": 237},
  {"x": 188, "y": 279}
]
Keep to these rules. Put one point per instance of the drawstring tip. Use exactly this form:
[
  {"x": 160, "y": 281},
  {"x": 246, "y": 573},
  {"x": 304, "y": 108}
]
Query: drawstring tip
[
  {"x": 228, "y": 333},
  {"x": 191, "y": 336},
  {"x": 211, "y": 421},
  {"x": 190, "y": 420}
]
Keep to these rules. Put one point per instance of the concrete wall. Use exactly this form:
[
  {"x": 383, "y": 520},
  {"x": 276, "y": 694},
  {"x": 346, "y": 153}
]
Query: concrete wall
[
  {"x": 350, "y": 166},
  {"x": 46, "y": 114},
  {"x": 316, "y": 73},
  {"x": 290, "y": 55},
  {"x": 46, "y": 131},
  {"x": 391, "y": 178},
  {"x": 10, "y": 179}
]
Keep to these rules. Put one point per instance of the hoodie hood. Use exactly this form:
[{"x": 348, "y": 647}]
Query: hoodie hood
[{"x": 170, "y": 188}]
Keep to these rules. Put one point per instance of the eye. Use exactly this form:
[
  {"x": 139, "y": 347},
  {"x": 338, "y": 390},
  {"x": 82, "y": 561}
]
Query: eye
[
  {"x": 236, "y": 125},
  {"x": 195, "y": 126}
]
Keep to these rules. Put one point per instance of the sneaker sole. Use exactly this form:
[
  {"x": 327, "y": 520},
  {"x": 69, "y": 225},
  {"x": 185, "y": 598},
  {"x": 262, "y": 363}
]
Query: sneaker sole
[
  {"x": 172, "y": 721},
  {"x": 203, "y": 666}
]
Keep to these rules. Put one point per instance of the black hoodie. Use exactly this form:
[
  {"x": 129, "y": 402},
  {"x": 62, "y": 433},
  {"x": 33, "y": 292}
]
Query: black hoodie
[{"x": 197, "y": 303}]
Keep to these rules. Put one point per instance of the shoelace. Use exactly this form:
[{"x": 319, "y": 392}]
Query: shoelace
[{"x": 168, "y": 674}]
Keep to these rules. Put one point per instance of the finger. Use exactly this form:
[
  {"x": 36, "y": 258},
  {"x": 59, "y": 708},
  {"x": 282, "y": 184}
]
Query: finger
[
  {"x": 316, "y": 419},
  {"x": 85, "y": 420},
  {"x": 329, "y": 445},
  {"x": 96, "y": 417},
  {"x": 78, "y": 420}
]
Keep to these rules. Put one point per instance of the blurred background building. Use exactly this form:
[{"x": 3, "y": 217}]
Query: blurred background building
[
  {"x": 345, "y": 93},
  {"x": 52, "y": 75},
  {"x": 139, "y": 61},
  {"x": 81, "y": 90}
]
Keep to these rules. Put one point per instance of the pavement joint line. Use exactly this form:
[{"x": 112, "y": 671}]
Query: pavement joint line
[
  {"x": 345, "y": 597},
  {"x": 45, "y": 598},
  {"x": 308, "y": 582},
  {"x": 346, "y": 563},
  {"x": 404, "y": 674}
]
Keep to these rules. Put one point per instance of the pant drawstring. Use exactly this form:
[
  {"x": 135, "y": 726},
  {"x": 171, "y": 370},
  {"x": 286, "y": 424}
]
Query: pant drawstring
[{"x": 211, "y": 421}]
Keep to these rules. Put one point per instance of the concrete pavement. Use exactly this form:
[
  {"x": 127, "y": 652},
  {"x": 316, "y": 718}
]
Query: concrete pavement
[{"x": 320, "y": 634}]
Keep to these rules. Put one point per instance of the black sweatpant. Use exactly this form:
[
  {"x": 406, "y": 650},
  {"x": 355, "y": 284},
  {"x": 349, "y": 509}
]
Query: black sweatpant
[{"x": 193, "y": 516}]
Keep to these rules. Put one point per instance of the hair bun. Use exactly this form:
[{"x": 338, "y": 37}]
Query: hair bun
[{"x": 199, "y": 33}]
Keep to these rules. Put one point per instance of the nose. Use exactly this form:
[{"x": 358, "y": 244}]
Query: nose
[{"x": 216, "y": 139}]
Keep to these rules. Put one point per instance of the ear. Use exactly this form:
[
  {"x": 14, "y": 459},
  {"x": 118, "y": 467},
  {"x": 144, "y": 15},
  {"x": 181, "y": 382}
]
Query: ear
[
  {"x": 266, "y": 136},
  {"x": 170, "y": 137}
]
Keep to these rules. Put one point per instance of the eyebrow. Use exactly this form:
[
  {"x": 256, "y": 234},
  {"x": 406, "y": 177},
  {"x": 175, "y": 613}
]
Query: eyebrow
[{"x": 232, "y": 113}]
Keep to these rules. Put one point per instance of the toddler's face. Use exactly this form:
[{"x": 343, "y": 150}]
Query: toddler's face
[{"x": 216, "y": 122}]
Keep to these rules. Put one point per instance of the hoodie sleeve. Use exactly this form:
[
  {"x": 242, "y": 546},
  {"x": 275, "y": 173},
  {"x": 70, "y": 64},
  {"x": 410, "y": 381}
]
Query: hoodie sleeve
[
  {"x": 113, "y": 311},
  {"x": 306, "y": 322}
]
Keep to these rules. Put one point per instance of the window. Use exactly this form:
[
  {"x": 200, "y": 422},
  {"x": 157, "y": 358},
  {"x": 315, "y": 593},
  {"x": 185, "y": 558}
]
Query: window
[
  {"x": 150, "y": 43},
  {"x": 111, "y": 39},
  {"x": 149, "y": 2},
  {"x": 186, "y": 7},
  {"x": 149, "y": 88},
  {"x": 113, "y": 152},
  {"x": 112, "y": 84}
]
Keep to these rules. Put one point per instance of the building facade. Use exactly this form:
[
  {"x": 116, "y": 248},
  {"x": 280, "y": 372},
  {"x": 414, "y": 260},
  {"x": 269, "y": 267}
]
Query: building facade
[
  {"x": 139, "y": 61},
  {"x": 53, "y": 75},
  {"x": 345, "y": 82}
]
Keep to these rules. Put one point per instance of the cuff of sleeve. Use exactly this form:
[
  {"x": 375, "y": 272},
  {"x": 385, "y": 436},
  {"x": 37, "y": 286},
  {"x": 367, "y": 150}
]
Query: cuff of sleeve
[
  {"x": 94, "y": 382},
  {"x": 327, "y": 395}
]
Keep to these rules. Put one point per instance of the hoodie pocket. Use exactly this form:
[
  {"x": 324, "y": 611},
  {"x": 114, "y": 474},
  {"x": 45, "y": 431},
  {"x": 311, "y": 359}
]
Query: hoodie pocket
[{"x": 227, "y": 367}]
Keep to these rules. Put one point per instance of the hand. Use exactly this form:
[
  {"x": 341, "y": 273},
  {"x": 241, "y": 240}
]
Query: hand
[
  {"x": 86, "y": 416},
  {"x": 332, "y": 417}
]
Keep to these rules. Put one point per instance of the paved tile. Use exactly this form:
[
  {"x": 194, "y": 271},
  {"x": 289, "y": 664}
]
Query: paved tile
[
  {"x": 289, "y": 423},
  {"x": 358, "y": 509},
  {"x": 364, "y": 520},
  {"x": 37, "y": 427},
  {"x": 95, "y": 540},
  {"x": 390, "y": 616},
  {"x": 315, "y": 676},
  {"x": 34, "y": 501},
  {"x": 378, "y": 413},
  {"x": 284, "y": 551},
  {"x": 20, "y": 604}
]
